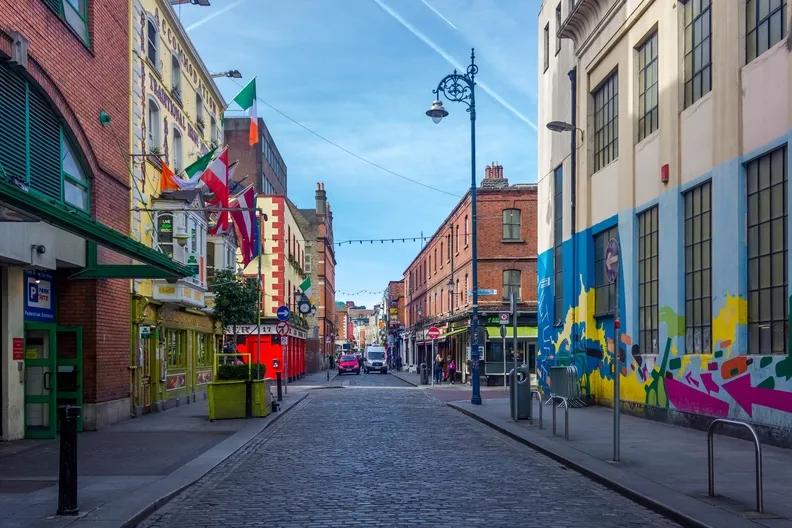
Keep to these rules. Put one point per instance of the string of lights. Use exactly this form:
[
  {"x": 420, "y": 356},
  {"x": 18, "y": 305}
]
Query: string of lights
[{"x": 361, "y": 292}]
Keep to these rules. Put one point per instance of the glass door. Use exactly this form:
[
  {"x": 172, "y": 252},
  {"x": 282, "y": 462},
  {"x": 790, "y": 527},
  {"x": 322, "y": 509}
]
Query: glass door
[
  {"x": 40, "y": 381},
  {"x": 69, "y": 364}
]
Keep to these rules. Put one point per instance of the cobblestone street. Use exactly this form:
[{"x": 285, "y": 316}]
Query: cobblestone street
[{"x": 380, "y": 453}]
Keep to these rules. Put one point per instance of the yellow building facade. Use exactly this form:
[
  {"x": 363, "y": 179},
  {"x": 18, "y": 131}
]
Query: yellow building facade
[{"x": 176, "y": 112}]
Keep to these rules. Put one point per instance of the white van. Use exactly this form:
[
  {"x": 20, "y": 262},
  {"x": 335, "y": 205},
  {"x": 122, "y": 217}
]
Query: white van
[{"x": 375, "y": 360}]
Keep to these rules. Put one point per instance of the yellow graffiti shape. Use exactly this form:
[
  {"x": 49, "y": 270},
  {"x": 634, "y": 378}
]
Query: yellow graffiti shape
[
  {"x": 733, "y": 314},
  {"x": 582, "y": 312}
]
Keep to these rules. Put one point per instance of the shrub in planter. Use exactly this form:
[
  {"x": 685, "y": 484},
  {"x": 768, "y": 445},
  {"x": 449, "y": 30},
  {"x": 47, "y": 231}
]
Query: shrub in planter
[{"x": 239, "y": 372}]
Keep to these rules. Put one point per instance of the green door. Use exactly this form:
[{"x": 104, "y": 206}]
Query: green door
[
  {"x": 40, "y": 381},
  {"x": 69, "y": 368}
]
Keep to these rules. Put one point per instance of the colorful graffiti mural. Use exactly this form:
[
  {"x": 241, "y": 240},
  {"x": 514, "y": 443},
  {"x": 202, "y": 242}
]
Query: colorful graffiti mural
[{"x": 724, "y": 383}]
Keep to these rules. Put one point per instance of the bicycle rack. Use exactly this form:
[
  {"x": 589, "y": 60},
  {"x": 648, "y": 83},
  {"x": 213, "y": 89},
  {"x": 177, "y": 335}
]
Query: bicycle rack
[
  {"x": 539, "y": 399},
  {"x": 711, "y": 459},
  {"x": 565, "y": 403}
]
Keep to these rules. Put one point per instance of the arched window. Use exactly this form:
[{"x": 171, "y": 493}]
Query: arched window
[
  {"x": 177, "y": 151},
  {"x": 153, "y": 127},
  {"x": 152, "y": 43},
  {"x": 75, "y": 182}
]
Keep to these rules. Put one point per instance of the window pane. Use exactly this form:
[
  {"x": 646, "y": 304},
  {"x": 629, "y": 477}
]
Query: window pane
[{"x": 75, "y": 195}]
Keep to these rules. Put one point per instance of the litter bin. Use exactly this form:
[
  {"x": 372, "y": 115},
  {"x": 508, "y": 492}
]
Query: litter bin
[
  {"x": 520, "y": 392},
  {"x": 424, "y": 374}
]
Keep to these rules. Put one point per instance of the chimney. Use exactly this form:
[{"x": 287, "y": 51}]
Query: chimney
[
  {"x": 487, "y": 172},
  {"x": 321, "y": 199},
  {"x": 496, "y": 179}
]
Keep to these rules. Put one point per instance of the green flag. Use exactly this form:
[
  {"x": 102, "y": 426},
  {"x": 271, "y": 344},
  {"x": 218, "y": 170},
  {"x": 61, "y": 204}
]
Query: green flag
[
  {"x": 306, "y": 287},
  {"x": 199, "y": 165}
]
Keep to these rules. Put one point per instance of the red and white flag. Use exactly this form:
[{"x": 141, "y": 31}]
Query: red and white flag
[
  {"x": 216, "y": 179},
  {"x": 246, "y": 225}
]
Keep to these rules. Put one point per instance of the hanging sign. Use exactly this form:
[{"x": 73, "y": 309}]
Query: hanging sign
[{"x": 39, "y": 296}]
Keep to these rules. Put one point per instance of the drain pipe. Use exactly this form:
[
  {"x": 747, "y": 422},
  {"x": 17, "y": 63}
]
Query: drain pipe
[{"x": 573, "y": 182}]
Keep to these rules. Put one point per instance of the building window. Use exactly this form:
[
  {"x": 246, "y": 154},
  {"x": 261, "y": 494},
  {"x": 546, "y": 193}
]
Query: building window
[
  {"x": 647, "y": 281},
  {"x": 205, "y": 348},
  {"x": 199, "y": 112},
  {"x": 606, "y": 122},
  {"x": 558, "y": 240},
  {"x": 698, "y": 269},
  {"x": 766, "y": 180},
  {"x": 177, "y": 151},
  {"x": 165, "y": 233},
  {"x": 558, "y": 28},
  {"x": 309, "y": 267},
  {"x": 467, "y": 230},
  {"x": 152, "y": 43},
  {"x": 75, "y": 13},
  {"x": 435, "y": 260},
  {"x": 176, "y": 77},
  {"x": 511, "y": 283},
  {"x": 511, "y": 224},
  {"x": 765, "y": 26},
  {"x": 75, "y": 182},
  {"x": 466, "y": 288},
  {"x": 153, "y": 128},
  {"x": 547, "y": 46},
  {"x": 698, "y": 50},
  {"x": 647, "y": 87},
  {"x": 175, "y": 345},
  {"x": 213, "y": 129},
  {"x": 442, "y": 247},
  {"x": 457, "y": 238},
  {"x": 604, "y": 291},
  {"x": 442, "y": 302}
]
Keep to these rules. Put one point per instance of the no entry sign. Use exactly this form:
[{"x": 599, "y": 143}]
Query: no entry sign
[{"x": 433, "y": 333}]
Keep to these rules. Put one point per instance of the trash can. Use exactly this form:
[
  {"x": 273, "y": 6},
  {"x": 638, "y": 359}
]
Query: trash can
[
  {"x": 520, "y": 392},
  {"x": 424, "y": 374}
]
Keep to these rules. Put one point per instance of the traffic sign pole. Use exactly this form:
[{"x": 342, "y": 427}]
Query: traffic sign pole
[{"x": 612, "y": 265}]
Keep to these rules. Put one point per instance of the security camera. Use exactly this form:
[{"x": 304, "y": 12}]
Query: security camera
[
  {"x": 39, "y": 249},
  {"x": 171, "y": 280}
]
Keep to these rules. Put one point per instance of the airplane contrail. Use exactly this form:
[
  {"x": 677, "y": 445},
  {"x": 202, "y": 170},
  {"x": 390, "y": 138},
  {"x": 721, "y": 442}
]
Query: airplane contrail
[
  {"x": 438, "y": 13},
  {"x": 213, "y": 15},
  {"x": 429, "y": 42}
]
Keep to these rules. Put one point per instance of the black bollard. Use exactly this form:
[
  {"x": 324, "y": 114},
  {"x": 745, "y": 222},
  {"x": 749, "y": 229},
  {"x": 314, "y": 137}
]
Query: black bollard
[
  {"x": 280, "y": 389},
  {"x": 67, "y": 474}
]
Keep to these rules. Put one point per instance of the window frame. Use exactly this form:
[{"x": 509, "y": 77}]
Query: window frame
[
  {"x": 697, "y": 225},
  {"x": 606, "y": 134},
  {"x": 153, "y": 132},
  {"x": 176, "y": 358},
  {"x": 648, "y": 50},
  {"x": 176, "y": 77},
  {"x": 648, "y": 283},
  {"x": 546, "y": 47},
  {"x": 152, "y": 40},
  {"x": 775, "y": 293},
  {"x": 467, "y": 230},
  {"x": 558, "y": 243},
  {"x": 508, "y": 286},
  {"x": 69, "y": 179},
  {"x": 509, "y": 237},
  {"x": 753, "y": 33},
  {"x": 600, "y": 279},
  {"x": 205, "y": 341},
  {"x": 558, "y": 28},
  {"x": 178, "y": 150},
  {"x": 81, "y": 12},
  {"x": 695, "y": 72}
]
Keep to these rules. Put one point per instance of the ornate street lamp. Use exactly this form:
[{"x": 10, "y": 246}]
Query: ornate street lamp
[{"x": 460, "y": 88}]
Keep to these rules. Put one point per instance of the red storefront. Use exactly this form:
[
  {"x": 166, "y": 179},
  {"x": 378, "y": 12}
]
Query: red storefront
[{"x": 268, "y": 347}]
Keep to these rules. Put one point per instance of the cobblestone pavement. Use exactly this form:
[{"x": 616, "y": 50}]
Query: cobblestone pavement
[{"x": 397, "y": 456}]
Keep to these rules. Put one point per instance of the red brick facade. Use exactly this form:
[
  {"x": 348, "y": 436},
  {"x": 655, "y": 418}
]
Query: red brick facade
[
  {"x": 81, "y": 83},
  {"x": 447, "y": 255}
]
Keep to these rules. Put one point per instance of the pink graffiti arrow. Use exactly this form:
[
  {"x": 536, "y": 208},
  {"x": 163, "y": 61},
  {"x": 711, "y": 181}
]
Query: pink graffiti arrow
[
  {"x": 690, "y": 380},
  {"x": 747, "y": 396},
  {"x": 708, "y": 382}
]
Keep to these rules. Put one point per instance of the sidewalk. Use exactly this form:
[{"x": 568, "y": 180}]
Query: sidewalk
[
  {"x": 662, "y": 466},
  {"x": 315, "y": 380},
  {"x": 125, "y": 471}
]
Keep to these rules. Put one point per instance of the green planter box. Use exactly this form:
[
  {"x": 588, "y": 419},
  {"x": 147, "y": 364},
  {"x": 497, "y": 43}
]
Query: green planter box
[{"x": 227, "y": 399}]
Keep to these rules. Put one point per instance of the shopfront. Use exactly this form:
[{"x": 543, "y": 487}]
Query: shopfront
[
  {"x": 499, "y": 351},
  {"x": 284, "y": 354}
]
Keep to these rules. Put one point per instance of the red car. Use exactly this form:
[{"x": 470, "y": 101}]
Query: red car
[{"x": 348, "y": 364}]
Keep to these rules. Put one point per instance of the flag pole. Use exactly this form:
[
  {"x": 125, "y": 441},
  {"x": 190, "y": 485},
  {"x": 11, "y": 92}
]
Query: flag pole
[{"x": 258, "y": 257}]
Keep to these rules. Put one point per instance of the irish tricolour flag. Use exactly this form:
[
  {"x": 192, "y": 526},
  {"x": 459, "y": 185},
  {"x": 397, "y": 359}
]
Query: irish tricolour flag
[{"x": 247, "y": 100}]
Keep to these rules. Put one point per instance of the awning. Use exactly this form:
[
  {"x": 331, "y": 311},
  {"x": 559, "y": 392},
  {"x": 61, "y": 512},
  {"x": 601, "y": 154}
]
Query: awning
[
  {"x": 153, "y": 263},
  {"x": 493, "y": 332},
  {"x": 455, "y": 332}
]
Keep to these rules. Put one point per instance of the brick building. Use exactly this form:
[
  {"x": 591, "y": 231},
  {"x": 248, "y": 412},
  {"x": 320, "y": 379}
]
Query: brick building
[
  {"x": 438, "y": 281},
  {"x": 395, "y": 315},
  {"x": 64, "y": 159},
  {"x": 260, "y": 164},
  {"x": 319, "y": 264}
]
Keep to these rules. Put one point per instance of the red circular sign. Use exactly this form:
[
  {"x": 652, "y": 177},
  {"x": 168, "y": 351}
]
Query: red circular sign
[{"x": 433, "y": 333}]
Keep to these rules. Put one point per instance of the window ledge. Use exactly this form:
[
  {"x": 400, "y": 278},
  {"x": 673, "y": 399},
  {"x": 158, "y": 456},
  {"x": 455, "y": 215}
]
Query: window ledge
[
  {"x": 604, "y": 315},
  {"x": 512, "y": 241}
]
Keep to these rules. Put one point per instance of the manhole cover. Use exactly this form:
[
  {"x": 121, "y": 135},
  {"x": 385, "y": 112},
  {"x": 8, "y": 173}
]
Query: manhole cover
[{"x": 24, "y": 486}]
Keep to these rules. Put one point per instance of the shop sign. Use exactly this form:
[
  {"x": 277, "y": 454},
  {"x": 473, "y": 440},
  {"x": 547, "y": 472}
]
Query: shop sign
[
  {"x": 39, "y": 296},
  {"x": 145, "y": 332},
  {"x": 19, "y": 349}
]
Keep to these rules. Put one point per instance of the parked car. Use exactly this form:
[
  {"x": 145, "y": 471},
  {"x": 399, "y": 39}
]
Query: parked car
[
  {"x": 348, "y": 364},
  {"x": 375, "y": 360}
]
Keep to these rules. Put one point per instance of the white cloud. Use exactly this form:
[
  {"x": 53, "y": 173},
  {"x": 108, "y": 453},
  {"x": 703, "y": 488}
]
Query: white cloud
[
  {"x": 438, "y": 13},
  {"x": 214, "y": 14}
]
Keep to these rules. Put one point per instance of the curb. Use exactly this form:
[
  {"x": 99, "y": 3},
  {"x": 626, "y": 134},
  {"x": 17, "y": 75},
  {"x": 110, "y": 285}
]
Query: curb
[
  {"x": 147, "y": 511},
  {"x": 404, "y": 380},
  {"x": 632, "y": 494}
]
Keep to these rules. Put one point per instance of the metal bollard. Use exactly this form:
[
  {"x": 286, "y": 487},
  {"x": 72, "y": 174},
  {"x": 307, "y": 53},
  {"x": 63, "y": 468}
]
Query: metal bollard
[
  {"x": 280, "y": 388},
  {"x": 539, "y": 398},
  {"x": 67, "y": 474}
]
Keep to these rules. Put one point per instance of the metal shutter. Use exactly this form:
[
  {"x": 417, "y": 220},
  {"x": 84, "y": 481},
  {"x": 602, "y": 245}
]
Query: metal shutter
[
  {"x": 13, "y": 148},
  {"x": 45, "y": 161}
]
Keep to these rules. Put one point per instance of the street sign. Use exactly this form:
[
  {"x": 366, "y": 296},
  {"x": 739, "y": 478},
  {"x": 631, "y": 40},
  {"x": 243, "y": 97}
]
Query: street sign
[
  {"x": 612, "y": 260},
  {"x": 433, "y": 333},
  {"x": 283, "y": 313},
  {"x": 484, "y": 292},
  {"x": 504, "y": 318},
  {"x": 284, "y": 340},
  {"x": 282, "y": 328}
]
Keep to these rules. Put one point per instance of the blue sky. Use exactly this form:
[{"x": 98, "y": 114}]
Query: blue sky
[{"x": 353, "y": 72}]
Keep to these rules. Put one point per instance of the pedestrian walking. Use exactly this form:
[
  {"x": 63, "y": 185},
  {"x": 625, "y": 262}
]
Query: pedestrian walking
[
  {"x": 451, "y": 370},
  {"x": 438, "y": 371}
]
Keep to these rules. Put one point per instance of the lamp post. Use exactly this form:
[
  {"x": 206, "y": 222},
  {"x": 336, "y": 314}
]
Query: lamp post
[
  {"x": 460, "y": 88},
  {"x": 231, "y": 74}
]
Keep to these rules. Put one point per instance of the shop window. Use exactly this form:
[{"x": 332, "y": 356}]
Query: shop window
[
  {"x": 766, "y": 181},
  {"x": 647, "y": 281},
  {"x": 511, "y": 224},
  {"x": 698, "y": 50},
  {"x": 648, "y": 117},
  {"x": 175, "y": 348},
  {"x": 604, "y": 291},
  {"x": 698, "y": 269},
  {"x": 606, "y": 122},
  {"x": 152, "y": 43},
  {"x": 765, "y": 26},
  {"x": 205, "y": 352}
]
